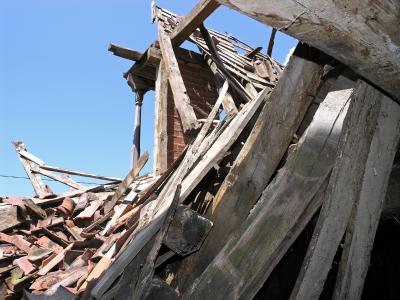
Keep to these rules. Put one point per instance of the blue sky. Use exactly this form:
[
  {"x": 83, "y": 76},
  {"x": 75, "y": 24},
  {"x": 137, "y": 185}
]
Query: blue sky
[{"x": 62, "y": 92}]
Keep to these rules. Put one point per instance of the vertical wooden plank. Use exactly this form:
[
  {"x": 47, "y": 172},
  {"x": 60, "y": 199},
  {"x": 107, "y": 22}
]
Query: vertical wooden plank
[
  {"x": 344, "y": 189},
  {"x": 160, "y": 126},
  {"x": 247, "y": 259},
  {"x": 181, "y": 98},
  {"x": 365, "y": 217}
]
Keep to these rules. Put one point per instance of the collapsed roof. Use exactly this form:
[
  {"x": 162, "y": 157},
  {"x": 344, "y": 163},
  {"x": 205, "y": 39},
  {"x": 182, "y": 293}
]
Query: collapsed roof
[{"x": 274, "y": 152}]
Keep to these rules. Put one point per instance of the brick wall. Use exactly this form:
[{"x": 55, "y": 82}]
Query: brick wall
[{"x": 201, "y": 90}]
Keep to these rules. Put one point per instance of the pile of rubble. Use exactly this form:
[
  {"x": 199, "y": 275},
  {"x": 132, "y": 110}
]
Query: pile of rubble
[{"x": 279, "y": 153}]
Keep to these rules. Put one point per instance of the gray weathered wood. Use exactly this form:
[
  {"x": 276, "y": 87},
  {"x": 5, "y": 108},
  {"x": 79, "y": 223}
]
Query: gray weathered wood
[
  {"x": 364, "y": 221},
  {"x": 63, "y": 179},
  {"x": 125, "y": 52},
  {"x": 258, "y": 160},
  {"x": 343, "y": 191},
  {"x": 40, "y": 188},
  {"x": 181, "y": 98},
  {"x": 190, "y": 22},
  {"x": 160, "y": 119},
  {"x": 245, "y": 262},
  {"x": 361, "y": 34}
]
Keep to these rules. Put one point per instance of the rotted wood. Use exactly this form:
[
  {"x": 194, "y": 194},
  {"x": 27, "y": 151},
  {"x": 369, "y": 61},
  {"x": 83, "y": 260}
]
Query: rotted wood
[
  {"x": 259, "y": 158},
  {"x": 147, "y": 272},
  {"x": 358, "y": 183},
  {"x": 248, "y": 258},
  {"x": 366, "y": 214}
]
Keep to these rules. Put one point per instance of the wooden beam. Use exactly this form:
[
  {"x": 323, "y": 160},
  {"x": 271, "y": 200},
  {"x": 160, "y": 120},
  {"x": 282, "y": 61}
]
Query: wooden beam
[
  {"x": 125, "y": 52},
  {"x": 259, "y": 158},
  {"x": 271, "y": 42},
  {"x": 181, "y": 98},
  {"x": 78, "y": 173},
  {"x": 356, "y": 172},
  {"x": 360, "y": 34},
  {"x": 242, "y": 266},
  {"x": 191, "y": 21},
  {"x": 366, "y": 214},
  {"x": 160, "y": 119}
]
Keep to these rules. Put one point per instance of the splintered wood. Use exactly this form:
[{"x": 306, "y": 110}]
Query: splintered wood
[{"x": 282, "y": 157}]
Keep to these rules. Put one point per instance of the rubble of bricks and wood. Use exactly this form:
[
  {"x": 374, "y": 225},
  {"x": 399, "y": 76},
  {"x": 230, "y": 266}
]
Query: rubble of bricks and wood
[{"x": 269, "y": 181}]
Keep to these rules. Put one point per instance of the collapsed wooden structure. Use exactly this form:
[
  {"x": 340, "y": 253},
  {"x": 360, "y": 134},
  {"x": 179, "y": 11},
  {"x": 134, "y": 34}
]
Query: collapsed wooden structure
[{"x": 253, "y": 161}]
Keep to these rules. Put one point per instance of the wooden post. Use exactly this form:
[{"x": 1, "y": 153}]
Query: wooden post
[
  {"x": 160, "y": 119},
  {"x": 247, "y": 259},
  {"x": 271, "y": 42},
  {"x": 358, "y": 182},
  {"x": 136, "y": 132},
  {"x": 359, "y": 33}
]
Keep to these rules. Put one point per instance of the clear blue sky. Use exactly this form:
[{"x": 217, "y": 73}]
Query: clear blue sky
[{"x": 62, "y": 92}]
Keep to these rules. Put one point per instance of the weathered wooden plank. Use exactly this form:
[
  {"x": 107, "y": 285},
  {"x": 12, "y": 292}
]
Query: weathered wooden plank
[
  {"x": 124, "y": 185},
  {"x": 41, "y": 190},
  {"x": 78, "y": 173},
  {"x": 181, "y": 98},
  {"x": 360, "y": 34},
  {"x": 364, "y": 221},
  {"x": 125, "y": 52},
  {"x": 259, "y": 158},
  {"x": 246, "y": 261},
  {"x": 191, "y": 21},
  {"x": 63, "y": 179},
  {"x": 344, "y": 189},
  {"x": 160, "y": 119}
]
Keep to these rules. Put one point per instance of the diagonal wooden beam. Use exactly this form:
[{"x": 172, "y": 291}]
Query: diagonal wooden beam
[
  {"x": 125, "y": 52},
  {"x": 181, "y": 98},
  {"x": 191, "y": 21}
]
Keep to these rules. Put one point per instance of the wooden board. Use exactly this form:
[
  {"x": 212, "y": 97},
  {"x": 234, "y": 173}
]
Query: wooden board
[
  {"x": 245, "y": 262},
  {"x": 190, "y": 22},
  {"x": 343, "y": 191},
  {"x": 160, "y": 119},
  {"x": 257, "y": 161},
  {"x": 361, "y": 231},
  {"x": 181, "y": 98}
]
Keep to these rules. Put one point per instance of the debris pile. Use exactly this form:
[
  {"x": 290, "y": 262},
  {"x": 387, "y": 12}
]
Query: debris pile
[{"x": 278, "y": 153}]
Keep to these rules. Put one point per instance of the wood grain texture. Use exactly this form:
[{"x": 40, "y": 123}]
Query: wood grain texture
[
  {"x": 342, "y": 193},
  {"x": 181, "y": 98},
  {"x": 367, "y": 212},
  {"x": 247, "y": 259}
]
